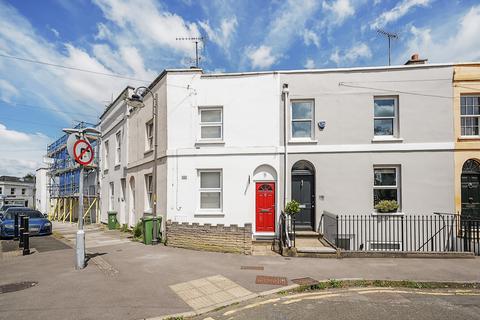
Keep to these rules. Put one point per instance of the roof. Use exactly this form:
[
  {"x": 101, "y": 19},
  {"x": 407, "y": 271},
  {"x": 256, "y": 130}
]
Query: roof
[
  {"x": 15, "y": 179},
  {"x": 121, "y": 95}
]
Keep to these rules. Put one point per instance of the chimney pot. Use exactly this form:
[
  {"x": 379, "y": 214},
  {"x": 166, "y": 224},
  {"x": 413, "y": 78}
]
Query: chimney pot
[{"x": 415, "y": 56}]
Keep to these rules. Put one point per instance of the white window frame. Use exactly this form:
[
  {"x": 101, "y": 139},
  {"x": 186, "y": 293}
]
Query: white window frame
[
  {"x": 148, "y": 192},
  {"x": 397, "y": 186},
  {"x": 118, "y": 150},
  {"x": 312, "y": 120},
  {"x": 210, "y": 124},
  {"x": 149, "y": 133},
  {"x": 111, "y": 196},
  {"x": 395, "y": 117},
  {"x": 202, "y": 190},
  {"x": 465, "y": 116},
  {"x": 106, "y": 155}
]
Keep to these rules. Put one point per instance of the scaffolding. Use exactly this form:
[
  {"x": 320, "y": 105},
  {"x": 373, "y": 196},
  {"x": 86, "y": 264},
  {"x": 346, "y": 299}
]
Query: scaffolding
[{"x": 64, "y": 177}]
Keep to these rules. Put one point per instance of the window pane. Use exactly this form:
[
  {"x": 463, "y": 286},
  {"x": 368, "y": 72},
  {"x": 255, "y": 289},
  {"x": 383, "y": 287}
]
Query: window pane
[
  {"x": 210, "y": 200},
  {"x": 302, "y": 110},
  {"x": 384, "y": 194},
  {"x": 384, "y": 108},
  {"x": 302, "y": 129},
  {"x": 210, "y": 180},
  {"x": 211, "y": 132},
  {"x": 211, "y": 116},
  {"x": 383, "y": 127},
  {"x": 385, "y": 177}
]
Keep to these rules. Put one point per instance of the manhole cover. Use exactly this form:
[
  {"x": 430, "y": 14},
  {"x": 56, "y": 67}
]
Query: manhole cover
[
  {"x": 305, "y": 281},
  {"x": 251, "y": 268},
  {"x": 278, "y": 281},
  {"x": 12, "y": 287}
]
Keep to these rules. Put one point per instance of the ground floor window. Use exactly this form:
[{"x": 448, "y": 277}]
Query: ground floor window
[
  {"x": 149, "y": 191},
  {"x": 386, "y": 184},
  {"x": 111, "y": 197},
  {"x": 210, "y": 189}
]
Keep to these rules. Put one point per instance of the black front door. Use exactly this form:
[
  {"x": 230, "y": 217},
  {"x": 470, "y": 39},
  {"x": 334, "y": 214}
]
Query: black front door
[
  {"x": 471, "y": 195},
  {"x": 303, "y": 192}
]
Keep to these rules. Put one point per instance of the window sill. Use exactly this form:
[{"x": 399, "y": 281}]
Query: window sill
[
  {"x": 147, "y": 152},
  {"x": 105, "y": 171},
  {"x": 207, "y": 142},
  {"x": 117, "y": 166},
  {"x": 469, "y": 138},
  {"x": 302, "y": 141},
  {"x": 219, "y": 214},
  {"x": 388, "y": 214},
  {"x": 387, "y": 139}
]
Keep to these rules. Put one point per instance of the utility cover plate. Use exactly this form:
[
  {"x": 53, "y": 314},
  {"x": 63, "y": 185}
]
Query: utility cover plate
[
  {"x": 277, "y": 281},
  {"x": 12, "y": 287}
]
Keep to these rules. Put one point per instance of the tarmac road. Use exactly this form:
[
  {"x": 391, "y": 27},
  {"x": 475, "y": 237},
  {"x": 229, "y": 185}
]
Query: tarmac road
[{"x": 358, "y": 304}]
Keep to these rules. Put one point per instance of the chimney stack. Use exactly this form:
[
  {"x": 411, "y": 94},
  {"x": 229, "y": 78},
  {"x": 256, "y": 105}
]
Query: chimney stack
[{"x": 415, "y": 59}]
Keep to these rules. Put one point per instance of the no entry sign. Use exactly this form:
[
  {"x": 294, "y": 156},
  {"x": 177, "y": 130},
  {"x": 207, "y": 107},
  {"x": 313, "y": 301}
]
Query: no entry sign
[{"x": 83, "y": 152}]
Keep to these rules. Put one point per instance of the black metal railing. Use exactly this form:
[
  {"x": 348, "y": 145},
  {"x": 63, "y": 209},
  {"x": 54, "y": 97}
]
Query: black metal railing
[
  {"x": 287, "y": 231},
  {"x": 438, "y": 232}
]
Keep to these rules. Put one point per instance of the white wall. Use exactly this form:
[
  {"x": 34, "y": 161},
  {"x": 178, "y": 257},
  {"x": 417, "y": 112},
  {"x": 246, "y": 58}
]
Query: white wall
[{"x": 42, "y": 199}]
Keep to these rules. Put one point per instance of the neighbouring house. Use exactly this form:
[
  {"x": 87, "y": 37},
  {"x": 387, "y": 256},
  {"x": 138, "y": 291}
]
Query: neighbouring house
[
  {"x": 42, "y": 197},
  {"x": 18, "y": 191},
  {"x": 234, "y": 147},
  {"x": 113, "y": 160}
]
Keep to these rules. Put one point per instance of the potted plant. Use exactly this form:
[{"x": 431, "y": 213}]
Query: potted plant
[
  {"x": 387, "y": 206},
  {"x": 292, "y": 207}
]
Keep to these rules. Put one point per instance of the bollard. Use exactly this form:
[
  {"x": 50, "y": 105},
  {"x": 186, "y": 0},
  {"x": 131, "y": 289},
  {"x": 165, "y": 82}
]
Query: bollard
[
  {"x": 21, "y": 229},
  {"x": 15, "y": 226},
  {"x": 26, "y": 236}
]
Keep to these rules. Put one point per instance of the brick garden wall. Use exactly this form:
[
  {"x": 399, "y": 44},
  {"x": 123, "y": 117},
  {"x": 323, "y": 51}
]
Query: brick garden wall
[{"x": 219, "y": 238}]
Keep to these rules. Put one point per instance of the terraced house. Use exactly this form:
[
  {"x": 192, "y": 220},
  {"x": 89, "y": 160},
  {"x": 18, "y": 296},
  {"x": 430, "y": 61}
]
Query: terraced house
[{"x": 232, "y": 148}]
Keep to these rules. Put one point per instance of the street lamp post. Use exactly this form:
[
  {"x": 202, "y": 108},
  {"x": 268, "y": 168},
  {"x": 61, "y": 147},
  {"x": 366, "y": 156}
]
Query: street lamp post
[{"x": 136, "y": 101}]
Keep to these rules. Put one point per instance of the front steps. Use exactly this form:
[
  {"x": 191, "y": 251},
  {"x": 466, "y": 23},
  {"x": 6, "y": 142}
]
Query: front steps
[{"x": 310, "y": 244}]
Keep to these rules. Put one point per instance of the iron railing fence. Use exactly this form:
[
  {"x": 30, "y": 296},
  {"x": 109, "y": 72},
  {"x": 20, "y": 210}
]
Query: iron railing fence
[
  {"x": 438, "y": 232},
  {"x": 287, "y": 231}
]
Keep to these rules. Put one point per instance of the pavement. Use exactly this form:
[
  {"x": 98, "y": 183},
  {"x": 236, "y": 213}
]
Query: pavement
[{"x": 128, "y": 280}]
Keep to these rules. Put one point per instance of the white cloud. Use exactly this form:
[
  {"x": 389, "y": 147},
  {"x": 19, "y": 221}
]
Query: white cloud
[
  {"x": 55, "y": 32},
  {"x": 20, "y": 152},
  {"x": 309, "y": 64},
  {"x": 283, "y": 30},
  {"x": 463, "y": 44},
  {"x": 7, "y": 91},
  {"x": 400, "y": 10},
  {"x": 261, "y": 57},
  {"x": 341, "y": 9},
  {"x": 310, "y": 37},
  {"x": 222, "y": 35},
  {"x": 351, "y": 55}
]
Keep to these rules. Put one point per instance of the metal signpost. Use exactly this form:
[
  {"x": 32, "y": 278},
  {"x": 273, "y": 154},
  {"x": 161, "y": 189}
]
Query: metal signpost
[{"x": 80, "y": 149}]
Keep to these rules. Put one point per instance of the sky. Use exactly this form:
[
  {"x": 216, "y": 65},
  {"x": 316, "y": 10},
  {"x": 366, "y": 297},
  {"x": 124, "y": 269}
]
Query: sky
[{"x": 136, "y": 39}]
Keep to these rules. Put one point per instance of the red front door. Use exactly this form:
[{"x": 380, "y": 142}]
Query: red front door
[{"x": 265, "y": 207}]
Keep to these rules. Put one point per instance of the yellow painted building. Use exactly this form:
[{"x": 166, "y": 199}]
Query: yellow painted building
[{"x": 466, "y": 102}]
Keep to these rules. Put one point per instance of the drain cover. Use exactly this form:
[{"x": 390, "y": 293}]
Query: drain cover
[
  {"x": 251, "y": 268},
  {"x": 305, "y": 281},
  {"x": 278, "y": 281},
  {"x": 12, "y": 287}
]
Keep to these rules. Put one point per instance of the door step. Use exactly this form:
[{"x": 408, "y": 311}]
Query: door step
[{"x": 306, "y": 234}]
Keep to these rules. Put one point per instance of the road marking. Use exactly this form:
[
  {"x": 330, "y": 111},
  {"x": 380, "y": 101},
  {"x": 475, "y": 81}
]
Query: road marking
[
  {"x": 421, "y": 292},
  {"x": 318, "y": 297}
]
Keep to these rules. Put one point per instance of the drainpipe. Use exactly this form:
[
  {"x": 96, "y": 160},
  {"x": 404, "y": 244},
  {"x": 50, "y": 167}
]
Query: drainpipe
[{"x": 285, "y": 137}]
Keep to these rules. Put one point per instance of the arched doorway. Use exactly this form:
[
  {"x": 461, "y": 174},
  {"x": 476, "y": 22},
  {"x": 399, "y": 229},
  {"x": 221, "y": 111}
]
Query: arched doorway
[
  {"x": 131, "y": 202},
  {"x": 265, "y": 177},
  {"x": 470, "y": 188},
  {"x": 303, "y": 191}
]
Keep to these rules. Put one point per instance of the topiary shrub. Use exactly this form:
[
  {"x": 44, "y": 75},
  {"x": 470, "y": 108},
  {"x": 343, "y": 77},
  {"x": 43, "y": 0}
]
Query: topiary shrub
[
  {"x": 386, "y": 206},
  {"x": 292, "y": 207}
]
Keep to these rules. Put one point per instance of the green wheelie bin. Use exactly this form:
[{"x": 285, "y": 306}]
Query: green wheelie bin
[{"x": 112, "y": 220}]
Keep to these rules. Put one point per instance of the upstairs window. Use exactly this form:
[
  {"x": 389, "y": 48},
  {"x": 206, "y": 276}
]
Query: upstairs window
[
  {"x": 469, "y": 115},
  {"x": 385, "y": 121},
  {"x": 386, "y": 184},
  {"x": 211, "y": 123},
  {"x": 210, "y": 189},
  {"x": 111, "y": 199},
  {"x": 118, "y": 153},
  {"x": 106, "y": 154},
  {"x": 12, "y": 191},
  {"x": 149, "y": 135},
  {"x": 302, "y": 119},
  {"x": 24, "y": 191},
  {"x": 1, "y": 190}
]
